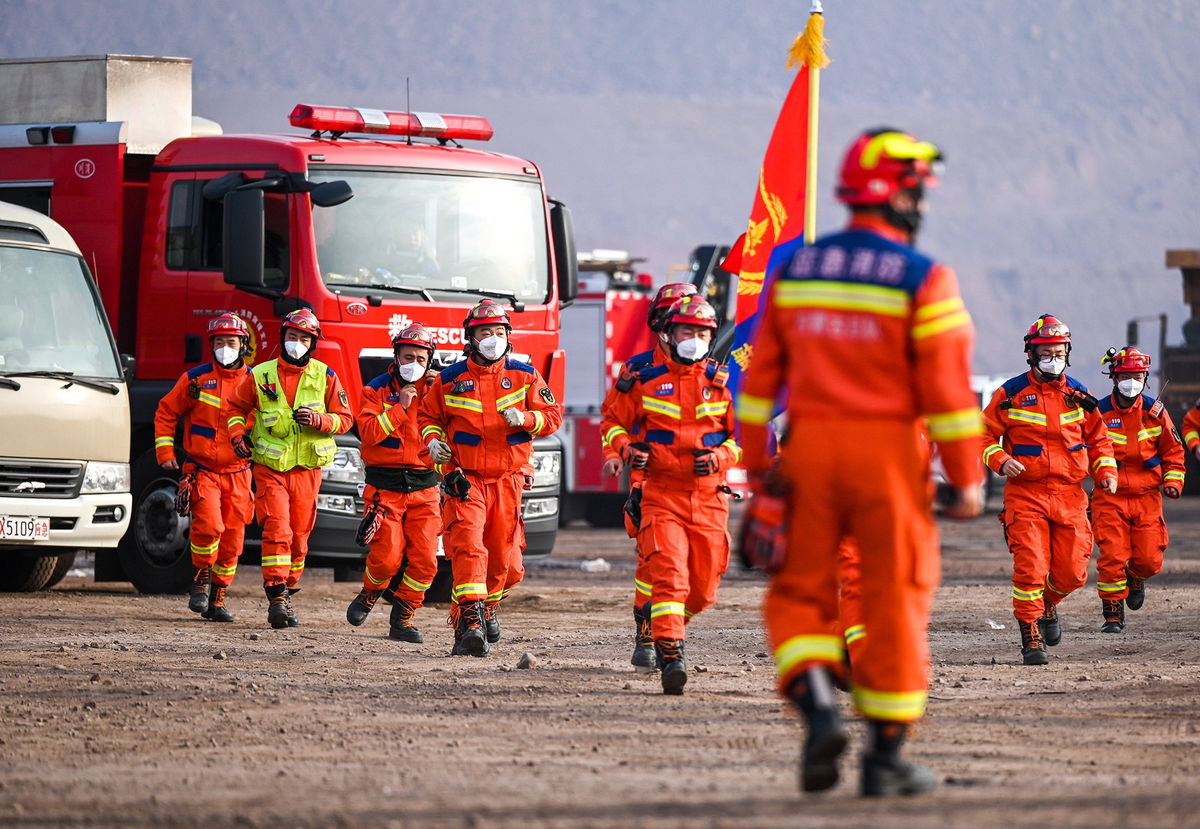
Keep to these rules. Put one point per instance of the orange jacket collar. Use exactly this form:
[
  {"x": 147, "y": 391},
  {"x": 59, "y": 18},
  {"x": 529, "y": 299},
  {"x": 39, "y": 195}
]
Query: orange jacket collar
[{"x": 876, "y": 224}]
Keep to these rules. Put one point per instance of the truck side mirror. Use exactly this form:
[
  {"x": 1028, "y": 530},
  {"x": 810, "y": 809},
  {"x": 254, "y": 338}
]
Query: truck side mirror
[
  {"x": 242, "y": 240},
  {"x": 128, "y": 364},
  {"x": 565, "y": 258},
  {"x": 331, "y": 193}
]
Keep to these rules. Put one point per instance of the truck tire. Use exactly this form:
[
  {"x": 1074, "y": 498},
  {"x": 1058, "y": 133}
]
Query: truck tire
[
  {"x": 65, "y": 562},
  {"x": 443, "y": 584},
  {"x": 25, "y": 572},
  {"x": 154, "y": 551}
]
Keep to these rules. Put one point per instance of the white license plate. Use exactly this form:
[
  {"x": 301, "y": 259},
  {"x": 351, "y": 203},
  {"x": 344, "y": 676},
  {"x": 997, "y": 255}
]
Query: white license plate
[{"x": 16, "y": 528}]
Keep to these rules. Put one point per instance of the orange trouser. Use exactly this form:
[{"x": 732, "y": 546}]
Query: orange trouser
[
  {"x": 222, "y": 506},
  {"x": 484, "y": 538},
  {"x": 411, "y": 524},
  {"x": 850, "y": 623},
  {"x": 1047, "y": 531},
  {"x": 684, "y": 543},
  {"x": 865, "y": 480},
  {"x": 641, "y": 573},
  {"x": 1131, "y": 533},
  {"x": 286, "y": 503}
]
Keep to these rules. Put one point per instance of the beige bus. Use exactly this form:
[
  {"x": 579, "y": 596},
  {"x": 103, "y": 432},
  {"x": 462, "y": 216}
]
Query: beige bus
[{"x": 64, "y": 407}]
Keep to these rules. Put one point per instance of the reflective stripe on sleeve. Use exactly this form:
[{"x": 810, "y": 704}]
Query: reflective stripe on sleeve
[
  {"x": 732, "y": 446},
  {"x": 612, "y": 433},
  {"x": 956, "y": 425},
  {"x": 1173, "y": 475},
  {"x": 754, "y": 410},
  {"x": 1188, "y": 437},
  {"x": 1149, "y": 434},
  {"x": 716, "y": 407},
  {"x": 959, "y": 319},
  {"x": 433, "y": 430},
  {"x": 385, "y": 422},
  {"x": 1104, "y": 463},
  {"x": 164, "y": 441},
  {"x": 992, "y": 449},
  {"x": 539, "y": 422},
  {"x": 1071, "y": 417},
  {"x": 237, "y": 421},
  {"x": 855, "y": 632}
]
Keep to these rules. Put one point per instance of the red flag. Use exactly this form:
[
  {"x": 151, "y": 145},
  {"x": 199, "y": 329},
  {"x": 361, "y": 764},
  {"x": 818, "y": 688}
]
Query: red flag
[{"x": 778, "y": 212}]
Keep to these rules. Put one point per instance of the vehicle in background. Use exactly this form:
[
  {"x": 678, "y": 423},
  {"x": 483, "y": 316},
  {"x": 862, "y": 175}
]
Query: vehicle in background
[
  {"x": 984, "y": 386},
  {"x": 371, "y": 218},
  {"x": 64, "y": 407}
]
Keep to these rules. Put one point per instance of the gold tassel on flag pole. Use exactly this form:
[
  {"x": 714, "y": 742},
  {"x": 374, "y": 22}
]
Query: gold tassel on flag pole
[{"x": 809, "y": 50}]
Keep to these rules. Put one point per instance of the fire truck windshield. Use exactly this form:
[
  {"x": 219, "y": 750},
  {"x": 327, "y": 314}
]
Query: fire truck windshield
[
  {"x": 50, "y": 318},
  {"x": 452, "y": 233}
]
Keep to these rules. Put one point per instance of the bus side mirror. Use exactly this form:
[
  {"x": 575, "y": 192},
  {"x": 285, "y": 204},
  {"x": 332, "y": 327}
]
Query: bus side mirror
[
  {"x": 565, "y": 259},
  {"x": 242, "y": 240}
]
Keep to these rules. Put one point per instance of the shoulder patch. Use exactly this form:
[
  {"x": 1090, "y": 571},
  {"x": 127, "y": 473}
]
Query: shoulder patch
[
  {"x": 1075, "y": 384},
  {"x": 343, "y": 399},
  {"x": 639, "y": 361},
  {"x": 329, "y": 372},
  {"x": 516, "y": 365},
  {"x": 380, "y": 382},
  {"x": 453, "y": 371},
  {"x": 1105, "y": 405},
  {"x": 547, "y": 395},
  {"x": 650, "y": 372},
  {"x": 1014, "y": 385},
  {"x": 203, "y": 368}
]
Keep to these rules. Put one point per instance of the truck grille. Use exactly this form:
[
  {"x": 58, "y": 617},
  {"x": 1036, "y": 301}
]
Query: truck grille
[{"x": 21, "y": 478}]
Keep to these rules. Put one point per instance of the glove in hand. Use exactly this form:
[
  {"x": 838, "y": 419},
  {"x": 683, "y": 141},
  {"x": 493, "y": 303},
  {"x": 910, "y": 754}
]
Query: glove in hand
[
  {"x": 372, "y": 520},
  {"x": 183, "y": 495},
  {"x": 762, "y": 543},
  {"x": 705, "y": 462},
  {"x": 514, "y": 417},
  {"x": 637, "y": 454},
  {"x": 456, "y": 485},
  {"x": 439, "y": 450},
  {"x": 242, "y": 446},
  {"x": 305, "y": 416}
]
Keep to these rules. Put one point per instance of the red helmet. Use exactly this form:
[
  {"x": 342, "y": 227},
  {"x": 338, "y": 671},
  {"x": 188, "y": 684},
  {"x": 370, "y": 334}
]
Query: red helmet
[
  {"x": 1047, "y": 329},
  {"x": 228, "y": 324},
  {"x": 486, "y": 312},
  {"x": 1126, "y": 361},
  {"x": 664, "y": 299},
  {"x": 882, "y": 162},
  {"x": 304, "y": 321},
  {"x": 690, "y": 310},
  {"x": 415, "y": 334}
]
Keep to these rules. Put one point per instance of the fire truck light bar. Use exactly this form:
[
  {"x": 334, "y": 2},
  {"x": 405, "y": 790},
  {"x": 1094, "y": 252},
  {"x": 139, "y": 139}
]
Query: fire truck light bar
[{"x": 416, "y": 124}]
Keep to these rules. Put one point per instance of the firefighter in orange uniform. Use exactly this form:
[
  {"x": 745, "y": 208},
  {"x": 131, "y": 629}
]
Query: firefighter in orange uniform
[
  {"x": 403, "y": 517},
  {"x": 298, "y": 405},
  {"x": 215, "y": 484},
  {"x": 617, "y": 408},
  {"x": 683, "y": 421},
  {"x": 1129, "y": 524},
  {"x": 479, "y": 418},
  {"x": 867, "y": 336},
  {"x": 1044, "y": 433},
  {"x": 1191, "y": 430}
]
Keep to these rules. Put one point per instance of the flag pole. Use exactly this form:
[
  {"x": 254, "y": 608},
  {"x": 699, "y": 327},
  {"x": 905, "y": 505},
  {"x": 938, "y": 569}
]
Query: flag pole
[{"x": 809, "y": 50}]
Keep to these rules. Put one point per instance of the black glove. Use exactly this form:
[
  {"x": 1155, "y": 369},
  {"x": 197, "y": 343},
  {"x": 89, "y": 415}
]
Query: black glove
[
  {"x": 762, "y": 543},
  {"x": 638, "y": 454},
  {"x": 242, "y": 446},
  {"x": 183, "y": 495},
  {"x": 633, "y": 506},
  {"x": 705, "y": 462},
  {"x": 372, "y": 520},
  {"x": 456, "y": 485}
]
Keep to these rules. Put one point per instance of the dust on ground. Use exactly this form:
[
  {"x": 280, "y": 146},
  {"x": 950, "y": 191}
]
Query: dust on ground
[{"x": 127, "y": 710}]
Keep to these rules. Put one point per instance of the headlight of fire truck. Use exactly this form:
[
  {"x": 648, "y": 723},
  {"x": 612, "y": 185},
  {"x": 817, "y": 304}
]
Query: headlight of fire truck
[
  {"x": 99, "y": 478},
  {"x": 347, "y": 467},
  {"x": 547, "y": 467}
]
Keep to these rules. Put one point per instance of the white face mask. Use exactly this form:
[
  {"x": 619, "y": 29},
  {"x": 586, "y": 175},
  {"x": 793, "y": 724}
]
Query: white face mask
[
  {"x": 1052, "y": 366},
  {"x": 692, "y": 348},
  {"x": 225, "y": 355},
  {"x": 1131, "y": 387},
  {"x": 492, "y": 347},
  {"x": 295, "y": 349},
  {"x": 411, "y": 372}
]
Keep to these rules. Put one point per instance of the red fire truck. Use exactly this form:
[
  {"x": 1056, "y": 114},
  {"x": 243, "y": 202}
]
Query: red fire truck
[{"x": 371, "y": 218}]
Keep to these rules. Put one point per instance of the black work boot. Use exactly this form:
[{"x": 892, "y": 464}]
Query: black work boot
[
  {"x": 277, "y": 610},
  {"x": 1049, "y": 626},
  {"x": 292, "y": 621},
  {"x": 883, "y": 772},
  {"x": 825, "y": 735},
  {"x": 469, "y": 636},
  {"x": 1033, "y": 649},
  {"x": 198, "y": 593},
  {"x": 361, "y": 607},
  {"x": 217, "y": 612},
  {"x": 401, "y": 626},
  {"x": 643, "y": 658},
  {"x": 1137, "y": 591},
  {"x": 491, "y": 621},
  {"x": 673, "y": 665},
  {"x": 1114, "y": 615}
]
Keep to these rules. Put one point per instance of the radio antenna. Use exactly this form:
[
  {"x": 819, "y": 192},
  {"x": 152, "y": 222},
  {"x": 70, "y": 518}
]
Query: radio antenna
[{"x": 408, "y": 106}]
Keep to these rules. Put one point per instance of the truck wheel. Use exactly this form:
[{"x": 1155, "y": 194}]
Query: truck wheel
[
  {"x": 154, "y": 551},
  {"x": 443, "y": 584},
  {"x": 23, "y": 572},
  {"x": 65, "y": 562}
]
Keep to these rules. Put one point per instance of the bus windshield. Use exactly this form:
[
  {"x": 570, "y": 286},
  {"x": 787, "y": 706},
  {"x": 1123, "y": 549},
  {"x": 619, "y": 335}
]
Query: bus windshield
[
  {"x": 50, "y": 317},
  {"x": 432, "y": 232}
]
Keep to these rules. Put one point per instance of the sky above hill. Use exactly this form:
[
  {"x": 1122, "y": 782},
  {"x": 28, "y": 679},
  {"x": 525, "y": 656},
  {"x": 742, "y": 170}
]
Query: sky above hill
[{"x": 1070, "y": 127}]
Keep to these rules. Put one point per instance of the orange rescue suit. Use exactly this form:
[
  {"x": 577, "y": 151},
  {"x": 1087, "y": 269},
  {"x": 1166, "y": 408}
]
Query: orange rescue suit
[
  {"x": 683, "y": 539},
  {"x": 1191, "y": 427},
  {"x": 401, "y": 479},
  {"x": 484, "y": 535},
  {"x": 222, "y": 502},
  {"x": 1042, "y": 426},
  {"x": 286, "y": 502},
  {"x": 864, "y": 336},
  {"x": 1129, "y": 524}
]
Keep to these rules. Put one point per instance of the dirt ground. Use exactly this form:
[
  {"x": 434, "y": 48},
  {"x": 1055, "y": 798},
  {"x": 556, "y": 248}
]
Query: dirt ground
[{"x": 127, "y": 710}]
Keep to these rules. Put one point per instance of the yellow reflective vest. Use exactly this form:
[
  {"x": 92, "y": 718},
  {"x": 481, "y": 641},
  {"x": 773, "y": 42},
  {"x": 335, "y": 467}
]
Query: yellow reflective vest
[{"x": 281, "y": 443}]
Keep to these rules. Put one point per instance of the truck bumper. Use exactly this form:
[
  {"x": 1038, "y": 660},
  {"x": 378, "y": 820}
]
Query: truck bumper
[{"x": 87, "y": 521}]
